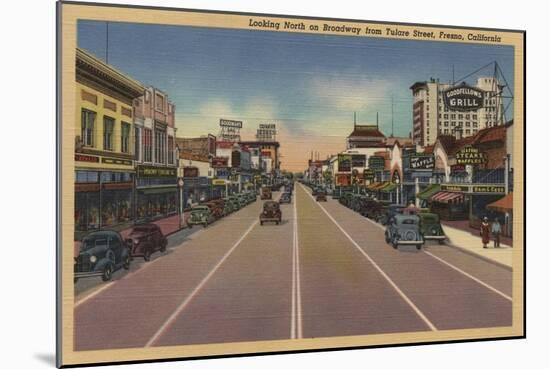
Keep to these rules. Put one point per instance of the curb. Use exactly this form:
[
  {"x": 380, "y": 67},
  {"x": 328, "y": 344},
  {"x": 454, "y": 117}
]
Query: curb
[{"x": 485, "y": 258}]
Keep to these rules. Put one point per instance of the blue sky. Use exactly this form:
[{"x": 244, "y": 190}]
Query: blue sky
[{"x": 309, "y": 85}]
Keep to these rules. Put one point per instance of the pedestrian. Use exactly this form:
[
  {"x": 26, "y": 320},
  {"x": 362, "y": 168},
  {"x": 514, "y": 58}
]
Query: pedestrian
[
  {"x": 496, "y": 230},
  {"x": 484, "y": 232}
]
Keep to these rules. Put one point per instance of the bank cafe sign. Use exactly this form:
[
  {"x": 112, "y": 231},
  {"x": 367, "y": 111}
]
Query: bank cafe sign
[{"x": 463, "y": 98}]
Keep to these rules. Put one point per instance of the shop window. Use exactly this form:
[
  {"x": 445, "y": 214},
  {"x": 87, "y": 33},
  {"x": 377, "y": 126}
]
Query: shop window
[
  {"x": 87, "y": 127},
  {"x": 86, "y": 211},
  {"x": 108, "y": 128},
  {"x": 116, "y": 207},
  {"x": 83, "y": 176},
  {"x": 125, "y": 137}
]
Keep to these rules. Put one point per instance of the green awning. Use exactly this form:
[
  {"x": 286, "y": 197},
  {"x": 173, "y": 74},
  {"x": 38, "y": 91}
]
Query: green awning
[
  {"x": 389, "y": 187},
  {"x": 154, "y": 191},
  {"x": 428, "y": 192}
]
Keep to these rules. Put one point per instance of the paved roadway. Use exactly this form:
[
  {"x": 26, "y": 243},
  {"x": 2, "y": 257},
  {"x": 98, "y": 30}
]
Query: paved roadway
[{"x": 325, "y": 271}]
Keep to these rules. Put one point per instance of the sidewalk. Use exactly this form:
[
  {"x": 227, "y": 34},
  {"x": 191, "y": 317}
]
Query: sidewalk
[{"x": 467, "y": 239}]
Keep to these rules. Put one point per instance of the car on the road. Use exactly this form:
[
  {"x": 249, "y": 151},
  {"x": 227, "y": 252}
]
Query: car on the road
[
  {"x": 266, "y": 193},
  {"x": 345, "y": 199},
  {"x": 271, "y": 213},
  {"x": 321, "y": 196},
  {"x": 216, "y": 208},
  {"x": 243, "y": 200},
  {"x": 235, "y": 202},
  {"x": 101, "y": 254},
  {"x": 145, "y": 239},
  {"x": 251, "y": 196},
  {"x": 391, "y": 211},
  {"x": 372, "y": 209},
  {"x": 227, "y": 206},
  {"x": 404, "y": 230},
  {"x": 430, "y": 226},
  {"x": 286, "y": 198},
  {"x": 200, "y": 215}
]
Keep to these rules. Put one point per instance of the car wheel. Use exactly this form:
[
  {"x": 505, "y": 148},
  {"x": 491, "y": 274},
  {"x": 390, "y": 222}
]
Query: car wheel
[
  {"x": 394, "y": 243},
  {"x": 163, "y": 247},
  {"x": 147, "y": 255},
  {"x": 418, "y": 247},
  {"x": 441, "y": 242},
  {"x": 126, "y": 264},
  {"x": 107, "y": 273}
]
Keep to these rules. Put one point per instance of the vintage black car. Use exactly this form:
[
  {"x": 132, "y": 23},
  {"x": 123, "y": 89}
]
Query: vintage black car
[
  {"x": 404, "y": 230},
  {"x": 270, "y": 213},
  {"x": 286, "y": 198},
  {"x": 266, "y": 193},
  {"x": 145, "y": 239},
  {"x": 391, "y": 211},
  {"x": 101, "y": 254},
  {"x": 372, "y": 209},
  {"x": 345, "y": 199},
  {"x": 430, "y": 227},
  {"x": 321, "y": 196}
]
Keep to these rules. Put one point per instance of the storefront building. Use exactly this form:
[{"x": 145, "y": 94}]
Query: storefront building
[{"x": 104, "y": 151}]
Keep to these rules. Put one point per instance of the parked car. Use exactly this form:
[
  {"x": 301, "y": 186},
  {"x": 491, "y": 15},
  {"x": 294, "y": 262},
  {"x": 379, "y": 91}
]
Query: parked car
[
  {"x": 371, "y": 209},
  {"x": 216, "y": 208},
  {"x": 145, "y": 239},
  {"x": 404, "y": 230},
  {"x": 430, "y": 226},
  {"x": 266, "y": 193},
  {"x": 235, "y": 202},
  {"x": 271, "y": 213},
  {"x": 321, "y": 196},
  {"x": 200, "y": 214},
  {"x": 251, "y": 195},
  {"x": 227, "y": 206},
  {"x": 356, "y": 201},
  {"x": 101, "y": 254},
  {"x": 286, "y": 198},
  {"x": 391, "y": 211}
]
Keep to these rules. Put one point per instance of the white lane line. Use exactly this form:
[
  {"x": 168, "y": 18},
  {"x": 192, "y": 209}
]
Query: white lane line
[
  {"x": 293, "y": 299},
  {"x": 190, "y": 297},
  {"x": 491, "y": 288},
  {"x": 470, "y": 276},
  {"x": 375, "y": 265},
  {"x": 297, "y": 291}
]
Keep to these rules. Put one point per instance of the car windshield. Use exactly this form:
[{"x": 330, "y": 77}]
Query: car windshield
[
  {"x": 92, "y": 242},
  {"x": 408, "y": 221},
  {"x": 271, "y": 206}
]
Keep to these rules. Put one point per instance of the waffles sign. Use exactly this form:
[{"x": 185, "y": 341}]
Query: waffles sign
[
  {"x": 463, "y": 98},
  {"x": 469, "y": 155}
]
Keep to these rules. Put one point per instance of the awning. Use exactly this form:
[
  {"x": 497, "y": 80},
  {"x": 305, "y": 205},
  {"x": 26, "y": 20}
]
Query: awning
[
  {"x": 504, "y": 205},
  {"x": 373, "y": 185},
  {"x": 389, "y": 187},
  {"x": 428, "y": 192},
  {"x": 448, "y": 197}
]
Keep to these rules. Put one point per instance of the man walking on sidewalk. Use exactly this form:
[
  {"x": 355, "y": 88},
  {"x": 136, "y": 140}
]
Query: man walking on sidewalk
[
  {"x": 496, "y": 230},
  {"x": 484, "y": 232}
]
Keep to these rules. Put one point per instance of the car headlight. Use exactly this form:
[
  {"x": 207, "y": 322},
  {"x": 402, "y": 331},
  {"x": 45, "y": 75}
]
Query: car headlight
[
  {"x": 93, "y": 259},
  {"x": 434, "y": 231},
  {"x": 136, "y": 241}
]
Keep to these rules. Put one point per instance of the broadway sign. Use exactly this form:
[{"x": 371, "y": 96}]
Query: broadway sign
[
  {"x": 422, "y": 162},
  {"x": 463, "y": 98}
]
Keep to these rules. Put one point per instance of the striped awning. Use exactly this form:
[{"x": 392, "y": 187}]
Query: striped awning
[{"x": 448, "y": 197}]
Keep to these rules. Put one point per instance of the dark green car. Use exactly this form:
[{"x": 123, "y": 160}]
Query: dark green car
[
  {"x": 200, "y": 214},
  {"x": 430, "y": 227},
  {"x": 235, "y": 202},
  {"x": 227, "y": 206}
]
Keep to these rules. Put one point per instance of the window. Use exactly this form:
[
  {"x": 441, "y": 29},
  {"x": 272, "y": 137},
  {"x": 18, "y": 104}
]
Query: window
[
  {"x": 453, "y": 116},
  {"x": 474, "y": 116},
  {"x": 147, "y": 139},
  {"x": 467, "y": 116},
  {"x": 467, "y": 131},
  {"x": 159, "y": 102},
  {"x": 170, "y": 150},
  {"x": 137, "y": 146},
  {"x": 446, "y": 124},
  {"x": 87, "y": 127},
  {"x": 446, "y": 116},
  {"x": 160, "y": 146},
  {"x": 108, "y": 127},
  {"x": 467, "y": 124},
  {"x": 125, "y": 137}
]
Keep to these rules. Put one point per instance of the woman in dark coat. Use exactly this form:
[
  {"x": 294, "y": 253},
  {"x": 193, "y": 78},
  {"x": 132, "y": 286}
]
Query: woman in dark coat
[{"x": 484, "y": 231}]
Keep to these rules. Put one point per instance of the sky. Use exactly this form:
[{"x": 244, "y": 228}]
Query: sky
[{"x": 308, "y": 85}]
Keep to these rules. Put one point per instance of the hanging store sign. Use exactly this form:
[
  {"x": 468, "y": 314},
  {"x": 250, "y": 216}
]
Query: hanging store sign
[
  {"x": 469, "y": 155},
  {"x": 376, "y": 162},
  {"x": 422, "y": 162},
  {"x": 145, "y": 171},
  {"x": 189, "y": 172},
  {"x": 344, "y": 163},
  {"x": 231, "y": 123},
  {"x": 463, "y": 98},
  {"x": 219, "y": 162},
  {"x": 368, "y": 174}
]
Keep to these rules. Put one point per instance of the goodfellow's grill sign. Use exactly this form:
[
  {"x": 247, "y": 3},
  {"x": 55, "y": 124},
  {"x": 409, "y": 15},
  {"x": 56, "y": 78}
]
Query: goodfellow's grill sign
[{"x": 463, "y": 98}]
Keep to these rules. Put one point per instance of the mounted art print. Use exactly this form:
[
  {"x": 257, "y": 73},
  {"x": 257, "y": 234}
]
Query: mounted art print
[{"x": 233, "y": 183}]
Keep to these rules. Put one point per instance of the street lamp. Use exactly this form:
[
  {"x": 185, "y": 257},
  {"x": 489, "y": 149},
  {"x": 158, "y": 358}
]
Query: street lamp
[{"x": 180, "y": 186}]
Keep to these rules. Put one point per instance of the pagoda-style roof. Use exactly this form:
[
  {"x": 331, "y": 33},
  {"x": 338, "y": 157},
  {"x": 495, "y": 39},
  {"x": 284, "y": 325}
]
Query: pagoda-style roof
[{"x": 366, "y": 132}]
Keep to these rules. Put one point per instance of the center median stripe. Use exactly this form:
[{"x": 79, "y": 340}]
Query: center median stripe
[
  {"x": 430, "y": 325},
  {"x": 190, "y": 297}
]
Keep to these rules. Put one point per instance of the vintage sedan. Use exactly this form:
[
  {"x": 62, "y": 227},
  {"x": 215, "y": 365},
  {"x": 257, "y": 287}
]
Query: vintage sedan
[
  {"x": 243, "y": 200},
  {"x": 430, "y": 227},
  {"x": 286, "y": 198},
  {"x": 101, "y": 254},
  {"x": 216, "y": 208},
  {"x": 235, "y": 202},
  {"x": 321, "y": 196},
  {"x": 200, "y": 214},
  {"x": 391, "y": 211},
  {"x": 251, "y": 195},
  {"x": 146, "y": 239},
  {"x": 227, "y": 206},
  {"x": 404, "y": 230},
  {"x": 266, "y": 193},
  {"x": 271, "y": 213},
  {"x": 372, "y": 209}
]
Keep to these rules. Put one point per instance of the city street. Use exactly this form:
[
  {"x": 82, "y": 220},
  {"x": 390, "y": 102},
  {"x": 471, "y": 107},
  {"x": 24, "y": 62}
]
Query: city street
[{"x": 325, "y": 271}]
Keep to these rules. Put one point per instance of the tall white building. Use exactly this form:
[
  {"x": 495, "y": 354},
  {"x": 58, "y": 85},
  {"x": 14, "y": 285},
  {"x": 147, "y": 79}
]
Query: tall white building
[{"x": 432, "y": 117}]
